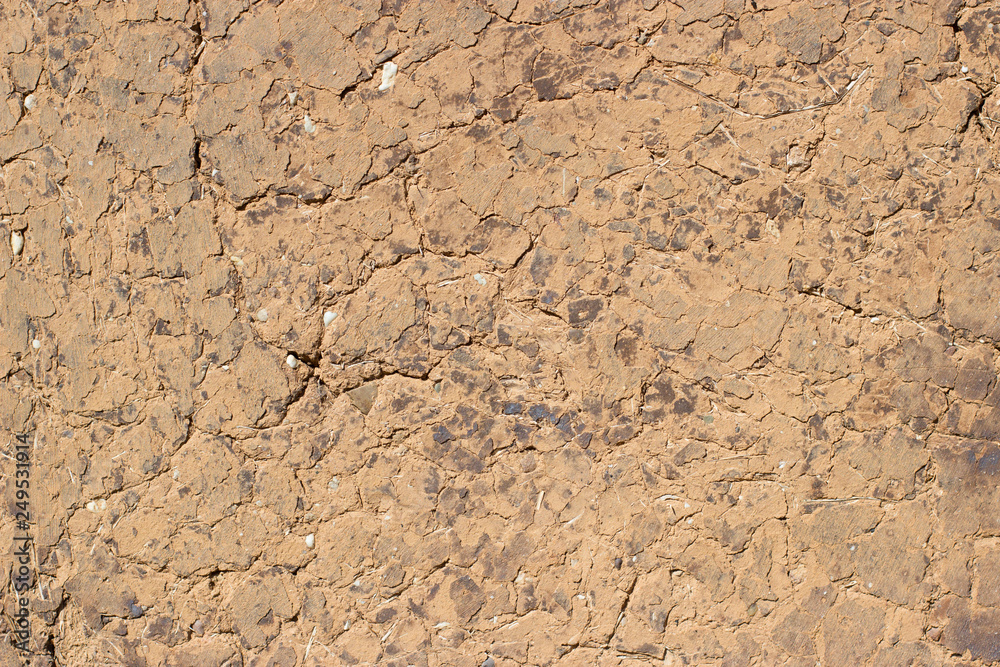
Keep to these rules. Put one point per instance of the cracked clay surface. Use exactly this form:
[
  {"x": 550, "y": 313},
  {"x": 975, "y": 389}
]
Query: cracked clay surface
[{"x": 505, "y": 332}]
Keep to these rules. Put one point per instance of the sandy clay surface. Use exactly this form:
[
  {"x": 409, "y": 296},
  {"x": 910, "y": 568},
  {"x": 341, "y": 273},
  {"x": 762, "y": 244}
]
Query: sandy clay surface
[{"x": 501, "y": 332}]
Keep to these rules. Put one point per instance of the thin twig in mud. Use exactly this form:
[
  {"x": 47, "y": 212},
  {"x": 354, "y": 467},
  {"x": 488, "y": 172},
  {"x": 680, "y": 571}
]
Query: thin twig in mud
[
  {"x": 766, "y": 116},
  {"x": 112, "y": 645},
  {"x": 722, "y": 127},
  {"x": 930, "y": 159},
  {"x": 830, "y": 85},
  {"x": 309, "y": 645},
  {"x": 518, "y": 313},
  {"x": 911, "y": 321},
  {"x": 842, "y": 500}
]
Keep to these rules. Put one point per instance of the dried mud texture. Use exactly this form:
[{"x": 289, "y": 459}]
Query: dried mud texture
[{"x": 605, "y": 333}]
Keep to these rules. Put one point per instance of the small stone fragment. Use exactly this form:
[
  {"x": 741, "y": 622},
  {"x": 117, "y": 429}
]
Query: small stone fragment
[
  {"x": 310, "y": 540},
  {"x": 489, "y": 662},
  {"x": 16, "y": 243},
  {"x": 389, "y": 70},
  {"x": 29, "y": 102},
  {"x": 328, "y": 318},
  {"x": 97, "y": 505},
  {"x": 36, "y": 343},
  {"x": 292, "y": 97},
  {"x": 479, "y": 279},
  {"x": 309, "y": 124},
  {"x": 262, "y": 315},
  {"x": 292, "y": 361},
  {"x": 198, "y": 627}
]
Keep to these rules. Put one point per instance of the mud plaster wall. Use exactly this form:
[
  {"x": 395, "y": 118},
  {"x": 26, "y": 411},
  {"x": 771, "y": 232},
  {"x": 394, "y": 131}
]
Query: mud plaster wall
[{"x": 658, "y": 331}]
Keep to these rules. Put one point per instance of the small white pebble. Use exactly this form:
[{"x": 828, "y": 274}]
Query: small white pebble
[
  {"x": 875, "y": 320},
  {"x": 479, "y": 279},
  {"x": 262, "y": 315},
  {"x": 36, "y": 343},
  {"x": 389, "y": 70},
  {"x": 965, "y": 70},
  {"x": 16, "y": 243},
  {"x": 328, "y": 318},
  {"x": 97, "y": 506},
  {"x": 29, "y": 102},
  {"x": 334, "y": 484},
  {"x": 308, "y": 124},
  {"x": 292, "y": 97},
  {"x": 310, "y": 540},
  {"x": 291, "y": 361}
]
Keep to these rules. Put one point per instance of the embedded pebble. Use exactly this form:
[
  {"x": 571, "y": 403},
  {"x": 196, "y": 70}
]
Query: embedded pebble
[
  {"x": 389, "y": 70},
  {"x": 262, "y": 315},
  {"x": 199, "y": 627},
  {"x": 328, "y": 318},
  {"x": 97, "y": 505},
  {"x": 292, "y": 97},
  {"x": 308, "y": 124},
  {"x": 479, "y": 279},
  {"x": 310, "y": 540},
  {"x": 291, "y": 361},
  {"x": 29, "y": 102},
  {"x": 16, "y": 243},
  {"x": 36, "y": 343}
]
